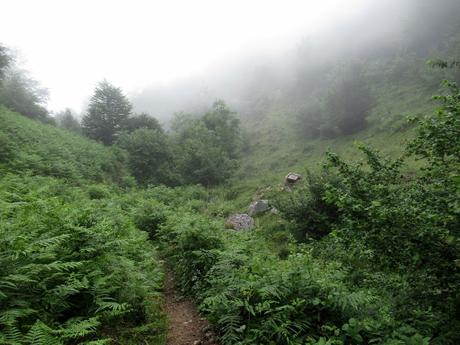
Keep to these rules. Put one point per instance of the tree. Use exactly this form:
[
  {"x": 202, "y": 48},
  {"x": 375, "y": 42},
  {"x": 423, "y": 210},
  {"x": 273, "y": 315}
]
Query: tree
[
  {"x": 349, "y": 102},
  {"x": 142, "y": 120},
  {"x": 310, "y": 119},
  {"x": 200, "y": 159},
  {"x": 66, "y": 120},
  {"x": 149, "y": 156},
  {"x": 5, "y": 60},
  {"x": 205, "y": 147},
  {"x": 24, "y": 95},
  {"x": 19, "y": 92},
  {"x": 108, "y": 110},
  {"x": 226, "y": 127}
]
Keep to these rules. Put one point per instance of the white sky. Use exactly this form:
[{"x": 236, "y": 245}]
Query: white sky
[{"x": 70, "y": 45}]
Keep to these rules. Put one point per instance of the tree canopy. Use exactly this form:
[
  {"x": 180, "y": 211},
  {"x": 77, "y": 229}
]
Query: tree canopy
[
  {"x": 142, "y": 120},
  {"x": 207, "y": 147},
  {"x": 24, "y": 95},
  {"x": 4, "y": 61},
  {"x": 108, "y": 110},
  {"x": 149, "y": 156},
  {"x": 67, "y": 120}
]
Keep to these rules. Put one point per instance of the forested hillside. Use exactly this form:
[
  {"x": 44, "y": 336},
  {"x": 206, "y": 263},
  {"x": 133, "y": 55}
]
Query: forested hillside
[{"x": 311, "y": 198}]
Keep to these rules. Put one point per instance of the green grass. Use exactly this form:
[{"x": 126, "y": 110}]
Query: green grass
[{"x": 277, "y": 147}]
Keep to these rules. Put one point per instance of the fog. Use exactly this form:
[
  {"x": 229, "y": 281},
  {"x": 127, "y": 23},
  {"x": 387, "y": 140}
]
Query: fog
[
  {"x": 70, "y": 46},
  {"x": 181, "y": 55},
  {"x": 370, "y": 31}
]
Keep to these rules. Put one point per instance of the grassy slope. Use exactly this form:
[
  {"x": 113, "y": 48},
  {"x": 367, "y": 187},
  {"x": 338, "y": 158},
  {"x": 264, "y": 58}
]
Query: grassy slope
[
  {"x": 277, "y": 147},
  {"x": 42, "y": 149}
]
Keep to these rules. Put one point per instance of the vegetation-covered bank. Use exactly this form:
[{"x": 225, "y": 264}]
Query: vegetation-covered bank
[
  {"x": 74, "y": 268},
  {"x": 374, "y": 257},
  {"x": 30, "y": 147}
]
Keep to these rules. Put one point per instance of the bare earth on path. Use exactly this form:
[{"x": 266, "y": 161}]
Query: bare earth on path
[{"x": 186, "y": 326}]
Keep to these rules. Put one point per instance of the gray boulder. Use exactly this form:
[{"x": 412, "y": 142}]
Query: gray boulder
[
  {"x": 258, "y": 207},
  {"x": 292, "y": 178},
  {"x": 239, "y": 221}
]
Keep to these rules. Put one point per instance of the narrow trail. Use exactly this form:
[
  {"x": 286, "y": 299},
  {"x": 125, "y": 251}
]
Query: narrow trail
[{"x": 186, "y": 326}]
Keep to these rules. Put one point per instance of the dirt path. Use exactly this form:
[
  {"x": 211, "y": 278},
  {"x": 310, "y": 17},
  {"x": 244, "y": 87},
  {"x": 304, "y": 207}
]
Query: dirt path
[{"x": 186, "y": 326}]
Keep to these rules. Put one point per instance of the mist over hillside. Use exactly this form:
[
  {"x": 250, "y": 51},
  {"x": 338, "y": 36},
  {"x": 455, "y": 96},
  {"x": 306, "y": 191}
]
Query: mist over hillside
[{"x": 410, "y": 31}]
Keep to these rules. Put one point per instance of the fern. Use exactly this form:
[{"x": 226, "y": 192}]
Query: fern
[
  {"x": 69, "y": 266},
  {"x": 97, "y": 342},
  {"x": 79, "y": 328},
  {"x": 11, "y": 333},
  {"x": 41, "y": 334}
]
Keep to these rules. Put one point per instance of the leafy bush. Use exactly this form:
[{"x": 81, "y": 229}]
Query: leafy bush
[
  {"x": 149, "y": 156},
  {"x": 96, "y": 192},
  {"x": 149, "y": 217},
  {"x": 405, "y": 227},
  {"x": 438, "y": 137},
  {"x": 191, "y": 242},
  {"x": 307, "y": 208},
  {"x": 139, "y": 121}
]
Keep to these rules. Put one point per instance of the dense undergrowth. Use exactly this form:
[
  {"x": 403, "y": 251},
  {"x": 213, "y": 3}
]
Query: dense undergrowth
[
  {"x": 375, "y": 261},
  {"x": 252, "y": 296},
  {"x": 363, "y": 252},
  {"x": 74, "y": 268}
]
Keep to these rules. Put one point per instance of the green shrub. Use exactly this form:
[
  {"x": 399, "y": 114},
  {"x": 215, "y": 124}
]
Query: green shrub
[
  {"x": 252, "y": 297},
  {"x": 96, "y": 192},
  {"x": 307, "y": 208},
  {"x": 149, "y": 217},
  {"x": 192, "y": 243},
  {"x": 149, "y": 156},
  {"x": 404, "y": 228}
]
